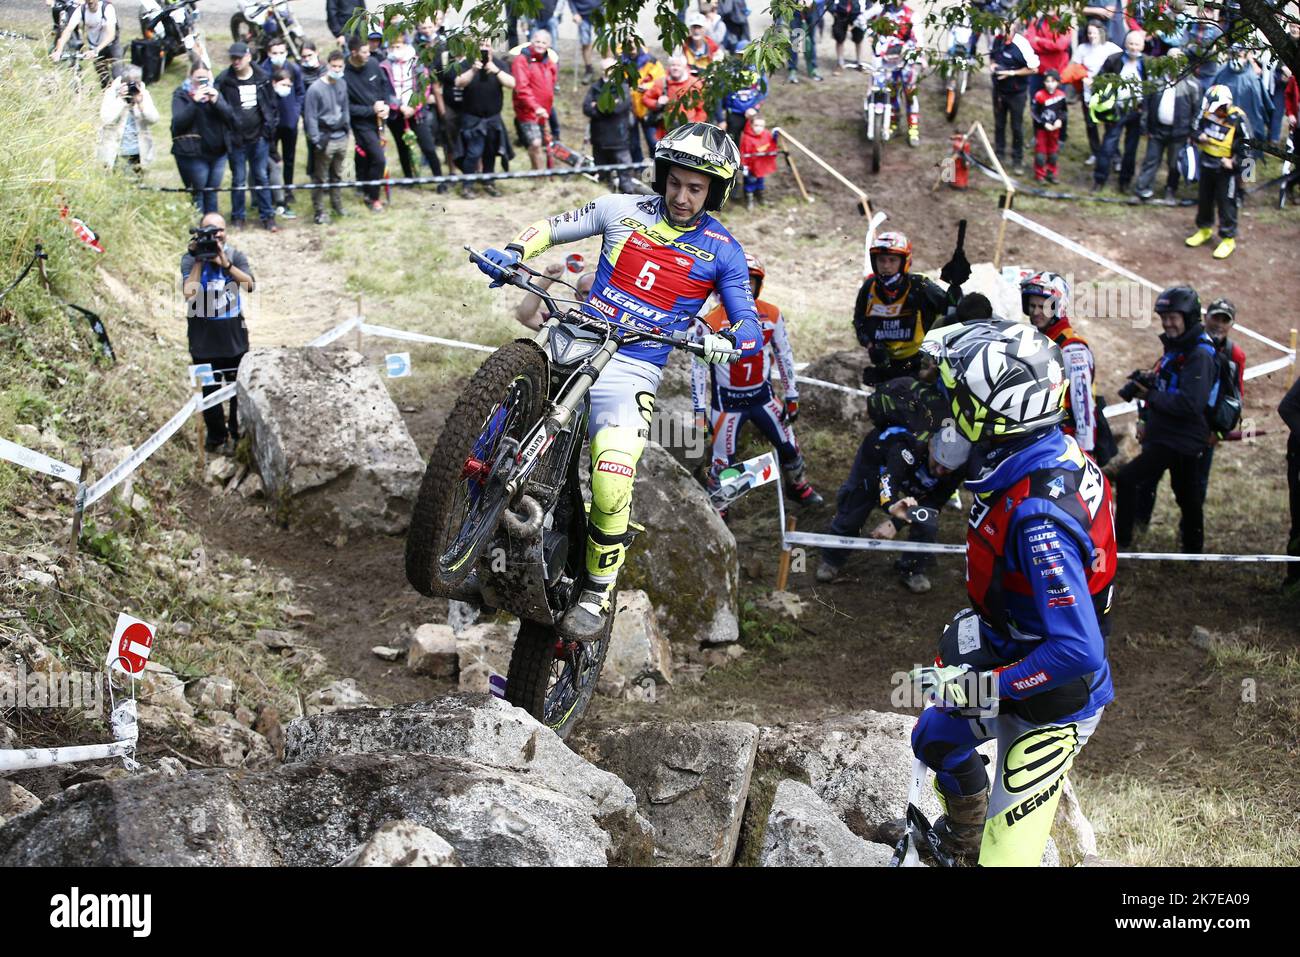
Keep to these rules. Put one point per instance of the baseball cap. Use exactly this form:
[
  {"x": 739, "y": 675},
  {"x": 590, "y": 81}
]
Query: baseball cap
[
  {"x": 375, "y": 35},
  {"x": 1222, "y": 307},
  {"x": 696, "y": 20},
  {"x": 238, "y": 49}
]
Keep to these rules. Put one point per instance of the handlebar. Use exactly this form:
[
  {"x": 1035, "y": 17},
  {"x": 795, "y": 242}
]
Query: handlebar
[{"x": 511, "y": 277}]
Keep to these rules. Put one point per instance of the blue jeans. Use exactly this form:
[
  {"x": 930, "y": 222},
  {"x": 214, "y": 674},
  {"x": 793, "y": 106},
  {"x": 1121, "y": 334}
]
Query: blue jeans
[
  {"x": 200, "y": 171},
  {"x": 258, "y": 155},
  {"x": 1131, "y": 128}
]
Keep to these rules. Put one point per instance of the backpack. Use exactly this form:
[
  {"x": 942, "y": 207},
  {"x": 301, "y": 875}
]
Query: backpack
[{"x": 1224, "y": 410}]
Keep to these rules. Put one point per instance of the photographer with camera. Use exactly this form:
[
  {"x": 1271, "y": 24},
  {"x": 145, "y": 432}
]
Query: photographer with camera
[
  {"x": 1174, "y": 427},
  {"x": 201, "y": 122},
  {"x": 482, "y": 132},
  {"x": 125, "y": 115},
  {"x": 215, "y": 275}
]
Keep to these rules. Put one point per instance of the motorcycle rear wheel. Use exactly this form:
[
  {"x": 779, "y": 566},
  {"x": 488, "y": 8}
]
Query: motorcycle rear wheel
[
  {"x": 460, "y": 502},
  {"x": 554, "y": 680}
]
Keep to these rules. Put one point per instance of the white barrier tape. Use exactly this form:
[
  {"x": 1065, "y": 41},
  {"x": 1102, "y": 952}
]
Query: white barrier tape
[
  {"x": 386, "y": 332},
  {"x": 832, "y": 385},
  {"x": 1265, "y": 368},
  {"x": 49, "y": 757},
  {"x": 37, "y": 462},
  {"x": 216, "y": 398},
  {"x": 884, "y": 545},
  {"x": 341, "y": 329},
  {"x": 1012, "y": 216},
  {"x": 147, "y": 448}
]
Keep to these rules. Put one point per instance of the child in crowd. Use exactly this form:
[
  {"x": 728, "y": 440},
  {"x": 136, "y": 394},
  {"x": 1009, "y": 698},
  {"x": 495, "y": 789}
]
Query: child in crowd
[
  {"x": 758, "y": 155},
  {"x": 1048, "y": 110}
]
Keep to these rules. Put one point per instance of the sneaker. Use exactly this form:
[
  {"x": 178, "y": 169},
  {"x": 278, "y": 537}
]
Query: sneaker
[
  {"x": 838, "y": 69},
  {"x": 816, "y": 77},
  {"x": 269, "y": 226},
  {"x": 586, "y": 619},
  {"x": 491, "y": 189},
  {"x": 805, "y": 494},
  {"x": 284, "y": 212},
  {"x": 1199, "y": 238},
  {"x": 339, "y": 212},
  {"x": 1225, "y": 248},
  {"x": 1170, "y": 193},
  {"x": 467, "y": 191},
  {"x": 238, "y": 223},
  {"x": 377, "y": 206},
  {"x": 1145, "y": 194},
  {"x": 1051, "y": 178},
  {"x": 826, "y": 572},
  {"x": 1017, "y": 169},
  {"x": 321, "y": 219},
  {"x": 916, "y": 583},
  {"x": 214, "y": 446},
  {"x": 442, "y": 188},
  {"x": 792, "y": 78},
  {"x": 1090, "y": 161}
]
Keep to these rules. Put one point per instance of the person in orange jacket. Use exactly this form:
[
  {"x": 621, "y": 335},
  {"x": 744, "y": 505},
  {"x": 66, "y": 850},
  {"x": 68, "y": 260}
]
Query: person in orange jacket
[
  {"x": 535, "y": 72},
  {"x": 673, "y": 87},
  {"x": 758, "y": 146}
]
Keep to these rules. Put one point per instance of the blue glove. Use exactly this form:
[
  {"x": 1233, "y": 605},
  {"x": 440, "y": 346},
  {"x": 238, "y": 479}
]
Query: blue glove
[{"x": 497, "y": 265}]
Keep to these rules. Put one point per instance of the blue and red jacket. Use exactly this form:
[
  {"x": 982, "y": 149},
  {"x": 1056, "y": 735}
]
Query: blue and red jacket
[{"x": 1040, "y": 567}]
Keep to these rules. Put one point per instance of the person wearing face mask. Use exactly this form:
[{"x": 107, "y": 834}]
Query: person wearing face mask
[
  {"x": 290, "y": 90},
  {"x": 327, "y": 121},
  {"x": 312, "y": 68},
  {"x": 404, "y": 76},
  {"x": 369, "y": 96}
]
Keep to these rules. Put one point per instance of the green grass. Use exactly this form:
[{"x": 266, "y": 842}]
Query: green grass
[{"x": 131, "y": 559}]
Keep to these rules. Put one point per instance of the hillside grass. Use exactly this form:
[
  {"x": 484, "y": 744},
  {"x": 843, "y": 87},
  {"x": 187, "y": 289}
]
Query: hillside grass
[{"x": 139, "y": 553}]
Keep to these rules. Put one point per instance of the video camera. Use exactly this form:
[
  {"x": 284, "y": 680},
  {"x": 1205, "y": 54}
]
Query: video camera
[
  {"x": 205, "y": 246},
  {"x": 1138, "y": 377}
]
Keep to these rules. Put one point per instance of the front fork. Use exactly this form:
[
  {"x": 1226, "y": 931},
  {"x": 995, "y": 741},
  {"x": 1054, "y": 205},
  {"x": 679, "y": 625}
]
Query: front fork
[{"x": 562, "y": 411}]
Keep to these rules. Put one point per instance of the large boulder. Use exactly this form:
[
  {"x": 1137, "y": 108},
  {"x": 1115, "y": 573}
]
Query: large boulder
[
  {"x": 690, "y": 780},
  {"x": 802, "y": 831},
  {"x": 673, "y": 423},
  {"x": 686, "y": 558},
  {"x": 403, "y": 844},
  {"x": 638, "y": 651},
  {"x": 859, "y": 765},
  {"x": 329, "y": 441},
  {"x": 497, "y": 786}
]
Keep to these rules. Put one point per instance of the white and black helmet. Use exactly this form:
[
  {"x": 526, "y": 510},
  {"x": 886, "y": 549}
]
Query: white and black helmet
[
  {"x": 704, "y": 148},
  {"x": 1000, "y": 378}
]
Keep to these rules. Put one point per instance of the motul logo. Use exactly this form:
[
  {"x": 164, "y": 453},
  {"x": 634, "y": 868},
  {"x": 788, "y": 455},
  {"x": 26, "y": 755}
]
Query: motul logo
[
  {"x": 1033, "y": 681},
  {"x": 618, "y": 468}
]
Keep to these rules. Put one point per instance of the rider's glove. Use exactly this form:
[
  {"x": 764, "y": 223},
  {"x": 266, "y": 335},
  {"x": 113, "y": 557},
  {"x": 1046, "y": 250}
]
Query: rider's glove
[
  {"x": 791, "y": 410},
  {"x": 498, "y": 264},
  {"x": 718, "y": 347},
  {"x": 956, "y": 270},
  {"x": 956, "y": 687}
]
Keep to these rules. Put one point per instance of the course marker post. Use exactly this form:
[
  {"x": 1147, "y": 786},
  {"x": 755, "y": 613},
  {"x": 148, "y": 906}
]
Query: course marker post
[
  {"x": 794, "y": 170},
  {"x": 783, "y": 567}
]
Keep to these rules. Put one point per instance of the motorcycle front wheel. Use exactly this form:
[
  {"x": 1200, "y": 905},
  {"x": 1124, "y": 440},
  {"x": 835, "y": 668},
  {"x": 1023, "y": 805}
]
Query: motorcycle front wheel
[{"x": 463, "y": 494}]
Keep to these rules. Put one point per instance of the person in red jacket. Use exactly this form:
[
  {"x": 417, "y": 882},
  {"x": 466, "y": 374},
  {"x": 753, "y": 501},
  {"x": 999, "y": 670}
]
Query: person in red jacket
[
  {"x": 535, "y": 74},
  {"x": 758, "y": 154},
  {"x": 1052, "y": 42},
  {"x": 1291, "y": 107}
]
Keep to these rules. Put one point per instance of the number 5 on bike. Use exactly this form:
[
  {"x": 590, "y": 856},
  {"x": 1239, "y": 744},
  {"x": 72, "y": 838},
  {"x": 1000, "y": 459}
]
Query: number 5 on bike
[{"x": 500, "y": 518}]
